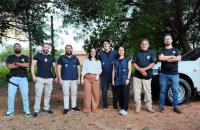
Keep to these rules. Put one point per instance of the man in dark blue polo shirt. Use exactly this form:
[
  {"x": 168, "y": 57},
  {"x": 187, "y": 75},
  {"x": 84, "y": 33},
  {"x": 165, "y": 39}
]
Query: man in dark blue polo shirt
[
  {"x": 107, "y": 57},
  {"x": 17, "y": 64},
  {"x": 68, "y": 67},
  {"x": 169, "y": 75},
  {"x": 44, "y": 79},
  {"x": 143, "y": 61}
]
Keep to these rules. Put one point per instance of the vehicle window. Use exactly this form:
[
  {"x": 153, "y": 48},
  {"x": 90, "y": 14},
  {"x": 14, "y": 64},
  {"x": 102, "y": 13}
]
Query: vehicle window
[{"x": 191, "y": 55}]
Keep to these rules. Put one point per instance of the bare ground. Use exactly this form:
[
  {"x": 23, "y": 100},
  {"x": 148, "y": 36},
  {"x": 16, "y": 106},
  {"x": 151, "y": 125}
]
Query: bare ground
[{"x": 102, "y": 120}]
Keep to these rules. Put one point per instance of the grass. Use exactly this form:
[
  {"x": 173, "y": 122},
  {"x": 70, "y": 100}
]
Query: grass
[{"x": 3, "y": 72}]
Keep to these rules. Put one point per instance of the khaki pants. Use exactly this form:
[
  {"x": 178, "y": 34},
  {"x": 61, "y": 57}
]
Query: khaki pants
[
  {"x": 69, "y": 85},
  {"x": 137, "y": 89},
  {"x": 41, "y": 84},
  {"x": 91, "y": 93}
]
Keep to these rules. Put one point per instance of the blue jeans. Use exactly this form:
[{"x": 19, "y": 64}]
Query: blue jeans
[
  {"x": 165, "y": 81},
  {"x": 23, "y": 86}
]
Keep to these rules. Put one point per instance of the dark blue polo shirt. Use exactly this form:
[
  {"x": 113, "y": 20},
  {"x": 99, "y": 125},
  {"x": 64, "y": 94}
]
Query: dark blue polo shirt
[
  {"x": 20, "y": 71},
  {"x": 69, "y": 70},
  {"x": 107, "y": 60},
  {"x": 44, "y": 65},
  {"x": 169, "y": 67},
  {"x": 143, "y": 59}
]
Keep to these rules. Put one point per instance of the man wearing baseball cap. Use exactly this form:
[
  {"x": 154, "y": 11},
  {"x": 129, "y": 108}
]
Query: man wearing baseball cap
[{"x": 17, "y": 63}]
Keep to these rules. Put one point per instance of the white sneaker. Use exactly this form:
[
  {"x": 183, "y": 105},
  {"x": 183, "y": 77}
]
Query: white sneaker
[{"x": 123, "y": 112}]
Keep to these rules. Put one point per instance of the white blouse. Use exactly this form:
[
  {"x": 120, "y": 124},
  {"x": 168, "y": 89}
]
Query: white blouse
[{"x": 91, "y": 66}]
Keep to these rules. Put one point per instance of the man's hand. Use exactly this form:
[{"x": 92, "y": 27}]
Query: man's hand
[
  {"x": 78, "y": 81},
  {"x": 61, "y": 81},
  {"x": 56, "y": 80},
  {"x": 34, "y": 78}
]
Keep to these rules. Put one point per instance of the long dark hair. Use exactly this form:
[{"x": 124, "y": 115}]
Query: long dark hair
[
  {"x": 117, "y": 56},
  {"x": 96, "y": 56}
]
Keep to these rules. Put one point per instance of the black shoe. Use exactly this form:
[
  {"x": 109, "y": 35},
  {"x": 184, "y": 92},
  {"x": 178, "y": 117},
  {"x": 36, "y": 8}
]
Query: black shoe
[
  {"x": 115, "y": 107},
  {"x": 48, "y": 111},
  {"x": 65, "y": 112},
  {"x": 105, "y": 106},
  {"x": 75, "y": 109},
  {"x": 161, "y": 109},
  {"x": 177, "y": 110},
  {"x": 35, "y": 114}
]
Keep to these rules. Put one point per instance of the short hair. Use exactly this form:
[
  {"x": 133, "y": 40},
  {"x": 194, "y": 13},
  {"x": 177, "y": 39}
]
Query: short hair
[
  {"x": 16, "y": 44},
  {"x": 168, "y": 35},
  {"x": 105, "y": 40},
  {"x": 144, "y": 39},
  {"x": 68, "y": 45},
  {"x": 46, "y": 44}
]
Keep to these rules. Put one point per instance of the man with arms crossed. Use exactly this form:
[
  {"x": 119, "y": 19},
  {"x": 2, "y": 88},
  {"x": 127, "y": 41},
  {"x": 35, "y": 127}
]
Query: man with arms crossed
[{"x": 169, "y": 75}]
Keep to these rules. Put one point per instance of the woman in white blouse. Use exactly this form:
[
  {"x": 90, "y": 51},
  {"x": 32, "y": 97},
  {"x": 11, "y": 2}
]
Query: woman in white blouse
[{"x": 90, "y": 79}]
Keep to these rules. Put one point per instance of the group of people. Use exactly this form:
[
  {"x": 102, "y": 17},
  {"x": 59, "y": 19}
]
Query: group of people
[{"x": 100, "y": 70}]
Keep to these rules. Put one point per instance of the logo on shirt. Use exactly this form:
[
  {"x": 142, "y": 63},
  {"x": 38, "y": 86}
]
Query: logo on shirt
[
  {"x": 66, "y": 65},
  {"x": 45, "y": 60},
  {"x": 173, "y": 52},
  {"x": 23, "y": 60},
  {"x": 148, "y": 57},
  {"x": 103, "y": 63}
]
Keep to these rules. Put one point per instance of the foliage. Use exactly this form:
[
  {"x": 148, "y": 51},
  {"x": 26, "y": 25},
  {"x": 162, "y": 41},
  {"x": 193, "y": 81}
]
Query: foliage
[{"x": 3, "y": 72}]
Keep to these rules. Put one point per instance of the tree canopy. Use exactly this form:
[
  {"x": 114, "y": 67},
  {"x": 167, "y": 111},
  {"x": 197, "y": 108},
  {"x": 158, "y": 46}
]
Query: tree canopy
[{"x": 124, "y": 22}]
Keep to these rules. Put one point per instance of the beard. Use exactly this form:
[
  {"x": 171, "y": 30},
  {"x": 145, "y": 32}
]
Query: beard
[
  {"x": 45, "y": 51},
  {"x": 68, "y": 53},
  {"x": 17, "y": 51}
]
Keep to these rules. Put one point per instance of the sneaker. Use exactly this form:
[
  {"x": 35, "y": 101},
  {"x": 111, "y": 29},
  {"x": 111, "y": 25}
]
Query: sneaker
[
  {"x": 35, "y": 114},
  {"x": 115, "y": 107},
  {"x": 123, "y": 112},
  {"x": 137, "y": 108},
  {"x": 48, "y": 111},
  {"x": 27, "y": 114},
  {"x": 65, "y": 112},
  {"x": 76, "y": 109},
  {"x": 151, "y": 110},
  {"x": 161, "y": 109},
  {"x": 177, "y": 110},
  {"x": 9, "y": 114}
]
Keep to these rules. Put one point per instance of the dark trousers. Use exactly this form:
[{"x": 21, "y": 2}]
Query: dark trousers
[
  {"x": 122, "y": 94},
  {"x": 105, "y": 83}
]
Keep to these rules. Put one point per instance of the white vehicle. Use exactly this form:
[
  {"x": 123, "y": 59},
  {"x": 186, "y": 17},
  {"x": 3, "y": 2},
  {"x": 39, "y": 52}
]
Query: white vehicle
[{"x": 189, "y": 81}]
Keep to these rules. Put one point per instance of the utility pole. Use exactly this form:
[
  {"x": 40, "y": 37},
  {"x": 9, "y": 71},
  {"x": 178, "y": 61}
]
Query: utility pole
[
  {"x": 29, "y": 37},
  {"x": 52, "y": 38}
]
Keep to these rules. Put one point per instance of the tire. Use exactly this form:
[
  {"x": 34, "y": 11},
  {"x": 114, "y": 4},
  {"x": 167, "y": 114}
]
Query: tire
[{"x": 184, "y": 92}]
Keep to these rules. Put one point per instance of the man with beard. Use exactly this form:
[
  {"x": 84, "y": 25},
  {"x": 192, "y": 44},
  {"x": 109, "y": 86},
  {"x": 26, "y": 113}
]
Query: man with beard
[
  {"x": 169, "y": 75},
  {"x": 17, "y": 64},
  {"x": 68, "y": 67},
  {"x": 44, "y": 79}
]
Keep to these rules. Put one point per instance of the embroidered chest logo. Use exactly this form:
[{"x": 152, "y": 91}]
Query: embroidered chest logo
[
  {"x": 22, "y": 60},
  {"x": 45, "y": 59},
  {"x": 148, "y": 57},
  {"x": 174, "y": 52}
]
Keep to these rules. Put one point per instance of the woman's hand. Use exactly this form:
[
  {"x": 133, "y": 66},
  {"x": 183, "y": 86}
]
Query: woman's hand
[{"x": 127, "y": 82}]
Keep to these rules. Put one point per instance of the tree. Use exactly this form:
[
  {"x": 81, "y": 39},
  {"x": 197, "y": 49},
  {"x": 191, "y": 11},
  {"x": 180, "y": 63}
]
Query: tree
[{"x": 125, "y": 22}]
